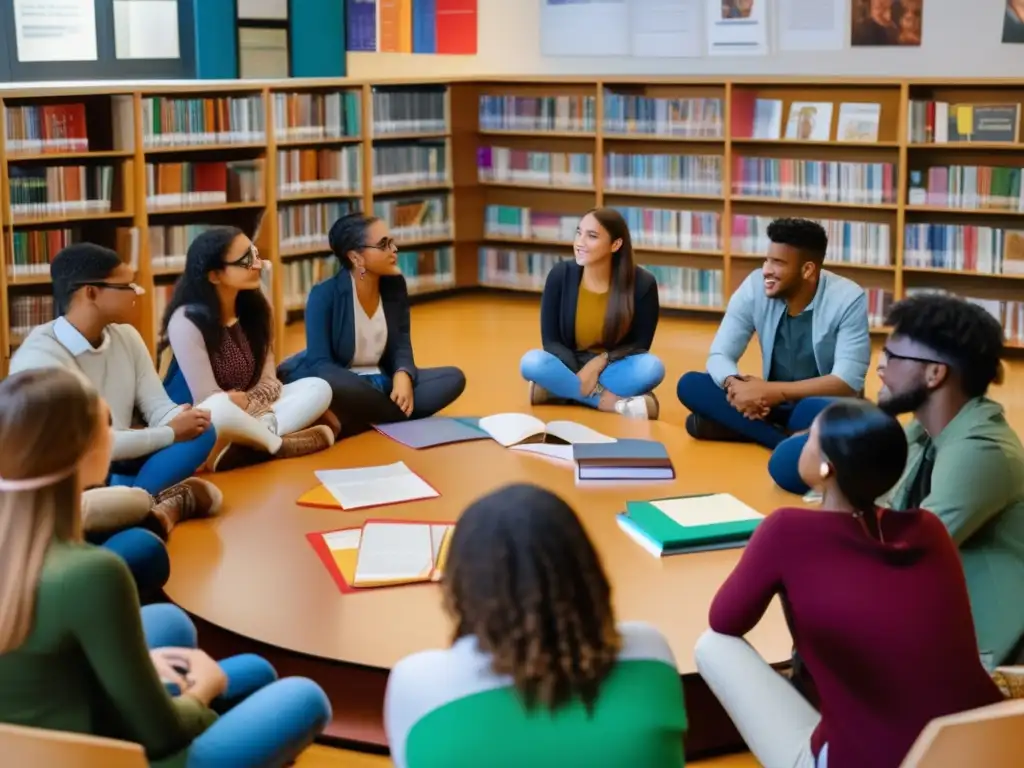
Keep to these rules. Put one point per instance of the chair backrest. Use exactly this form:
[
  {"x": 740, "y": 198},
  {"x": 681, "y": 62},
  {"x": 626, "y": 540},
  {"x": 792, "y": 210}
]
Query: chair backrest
[
  {"x": 42, "y": 748},
  {"x": 991, "y": 736}
]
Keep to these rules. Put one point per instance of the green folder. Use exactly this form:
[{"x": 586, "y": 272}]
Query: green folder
[{"x": 671, "y": 536}]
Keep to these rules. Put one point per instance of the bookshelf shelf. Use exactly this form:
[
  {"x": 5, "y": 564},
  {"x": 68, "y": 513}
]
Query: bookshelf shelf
[{"x": 476, "y": 178}]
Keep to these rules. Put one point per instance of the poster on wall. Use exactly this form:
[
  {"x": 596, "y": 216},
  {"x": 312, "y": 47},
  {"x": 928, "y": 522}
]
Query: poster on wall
[
  {"x": 584, "y": 28},
  {"x": 812, "y": 25},
  {"x": 55, "y": 30},
  {"x": 886, "y": 22},
  {"x": 666, "y": 28},
  {"x": 737, "y": 27},
  {"x": 1013, "y": 22}
]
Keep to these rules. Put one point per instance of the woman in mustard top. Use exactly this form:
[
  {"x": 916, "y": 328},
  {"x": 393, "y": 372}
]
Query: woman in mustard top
[
  {"x": 598, "y": 315},
  {"x": 75, "y": 650}
]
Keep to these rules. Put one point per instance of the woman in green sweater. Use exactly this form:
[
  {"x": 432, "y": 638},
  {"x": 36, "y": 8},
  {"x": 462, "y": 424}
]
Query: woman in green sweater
[
  {"x": 539, "y": 674},
  {"x": 75, "y": 649}
]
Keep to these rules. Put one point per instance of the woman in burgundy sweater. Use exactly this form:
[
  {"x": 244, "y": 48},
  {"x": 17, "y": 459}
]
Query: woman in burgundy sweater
[{"x": 875, "y": 600}]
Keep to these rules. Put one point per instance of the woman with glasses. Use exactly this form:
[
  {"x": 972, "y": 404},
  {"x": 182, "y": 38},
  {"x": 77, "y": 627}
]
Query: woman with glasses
[
  {"x": 876, "y": 602},
  {"x": 218, "y": 326},
  {"x": 357, "y": 335}
]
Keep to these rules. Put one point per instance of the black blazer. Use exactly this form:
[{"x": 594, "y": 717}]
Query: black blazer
[
  {"x": 558, "y": 316},
  {"x": 331, "y": 328}
]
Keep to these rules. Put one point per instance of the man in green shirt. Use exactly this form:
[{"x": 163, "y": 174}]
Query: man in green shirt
[{"x": 966, "y": 464}]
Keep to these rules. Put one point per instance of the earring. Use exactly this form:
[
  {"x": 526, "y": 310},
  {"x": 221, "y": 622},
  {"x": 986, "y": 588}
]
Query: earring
[
  {"x": 362, "y": 273},
  {"x": 824, "y": 470}
]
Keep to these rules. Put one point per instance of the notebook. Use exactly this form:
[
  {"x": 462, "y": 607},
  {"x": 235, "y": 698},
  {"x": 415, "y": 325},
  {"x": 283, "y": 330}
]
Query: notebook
[
  {"x": 431, "y": 432},
  {"x": 375, "y": 486},
  {"x": 514, "y": 429},
  {"x": 626, "y": 459},
  {"x": 384, "y": 553},
  {"x": 689, "y": 523}
]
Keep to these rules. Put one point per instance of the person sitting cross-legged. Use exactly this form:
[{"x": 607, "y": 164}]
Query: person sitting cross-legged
[
  {"x": 598, "y": 316},
  {"x": 812, "y": 326}
]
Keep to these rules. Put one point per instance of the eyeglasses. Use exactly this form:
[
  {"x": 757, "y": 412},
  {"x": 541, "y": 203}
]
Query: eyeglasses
[
  {"x": 888, "y": 354},
  {"x": 387, "y": 244},
  {"x": 249, "y": 259},
  {"x": 138, "y": 290}
]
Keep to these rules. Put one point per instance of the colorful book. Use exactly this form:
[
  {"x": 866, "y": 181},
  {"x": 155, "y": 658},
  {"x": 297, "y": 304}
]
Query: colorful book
[
  {"x": 375, "y": 486},
  {"x": 384, "y": 553},
  {"x": 431, "y": 432},
  {"x": 626, "y": 459},
  {"x": 689, "y": 523}
]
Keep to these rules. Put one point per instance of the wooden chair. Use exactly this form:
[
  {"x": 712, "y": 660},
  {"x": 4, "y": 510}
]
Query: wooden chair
[
  {"x": 42, "y": 748},
  {"x": 991, "y": 736}
]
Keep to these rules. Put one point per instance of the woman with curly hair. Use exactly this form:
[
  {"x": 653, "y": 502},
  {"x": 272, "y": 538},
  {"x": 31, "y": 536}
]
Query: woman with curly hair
[{"x": 539, "y": 673}]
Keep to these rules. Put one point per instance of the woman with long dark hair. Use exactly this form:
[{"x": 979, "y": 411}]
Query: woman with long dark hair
[
  {"x": 358, "y": 336},
  {"x": 876, "y": 601},
  {"x": 598, "y": 315},
  {"x": 218, "y": 326},
  {"x": 76, "y": 651},
  {"x": 539, "y": 672}
]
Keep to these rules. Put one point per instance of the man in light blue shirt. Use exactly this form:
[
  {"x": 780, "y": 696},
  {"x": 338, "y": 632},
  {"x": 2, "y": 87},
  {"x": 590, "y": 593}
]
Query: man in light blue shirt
[{"x": 812, "y": 326}]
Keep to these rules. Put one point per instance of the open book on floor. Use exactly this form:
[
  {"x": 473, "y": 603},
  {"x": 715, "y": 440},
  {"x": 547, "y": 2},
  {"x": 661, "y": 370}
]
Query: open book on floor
[
  {"x": 368, "y": 487},
  {"x": 522, "y": 432},
  {"x": 432, "y": 431},
  {"x": 689, "y": 523},
  {"x": 626, "y": 459},
  {"x": 384, "y": 553}
]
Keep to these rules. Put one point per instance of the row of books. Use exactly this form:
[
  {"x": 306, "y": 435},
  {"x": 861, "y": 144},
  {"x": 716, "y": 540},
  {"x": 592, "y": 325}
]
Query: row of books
[
  {"x": 308, "y": 116},
  {"x": 301, "y": 227},
  {"x": 42, "y": 128},
  {"x": 689, "y": 118},
  {"x": 187, "y": 185},
  {"x": 815, "y": 180},
  {"x": 520, "y": 166},
  {"x": 409, "y": 111},
  {"x": 169, "y": 121},
  {"x": 42, "y": 192},
  {"x": 538, "y": 113},
  {"x": 415, "y": 218},
  {"x": 849, "y": 242},
  {"x": 942, "y": 122},
  {"x": 687, "y": 286},
  {"x": 528, "y": 224},
  {"x": 304, "y": 171},
  {"x": 678, "y": 174},
  {"x": 754, "y": 118},
  {"x": 964, "y": 248},
  {"x": 300, "y": 275},
  {"x": 403, "y": 165},
  {"x": 26, "y": 312},
  {"x": 968, "y": 187},
  {"x": 169, "y": 245}
]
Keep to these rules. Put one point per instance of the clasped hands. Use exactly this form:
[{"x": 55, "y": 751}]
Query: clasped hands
[
  {"x": 590, "y": 373},
  {"x": 751, "y": 396},
  {"x": 192, "y": 671}
]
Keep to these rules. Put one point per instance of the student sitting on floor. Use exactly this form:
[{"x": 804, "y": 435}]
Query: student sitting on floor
[
  {"x": 539, "y": 673},
  {"x": 966, "y": 463},
  {"x": 812, "y": 326},
  {"x": 95, "y": 297},
  {"x": 357, "y": 335},
  {"x": 73, "y": 644},
  {"x": 598, "y": 315},
  {"x": 876, "y": 602},
  {"x": 219, "y": 327}
]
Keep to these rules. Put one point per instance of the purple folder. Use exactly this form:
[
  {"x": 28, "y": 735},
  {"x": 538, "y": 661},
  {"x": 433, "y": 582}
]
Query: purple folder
[{"x": 432, "y": 431}]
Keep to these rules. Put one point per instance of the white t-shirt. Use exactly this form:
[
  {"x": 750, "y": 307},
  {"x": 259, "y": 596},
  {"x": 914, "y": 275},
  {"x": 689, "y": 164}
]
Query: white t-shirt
[{"x": 371, "y": 336}]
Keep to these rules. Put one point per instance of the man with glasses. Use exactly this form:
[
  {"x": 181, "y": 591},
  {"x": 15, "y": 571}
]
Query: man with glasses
[{"x": 95, "y": 298}]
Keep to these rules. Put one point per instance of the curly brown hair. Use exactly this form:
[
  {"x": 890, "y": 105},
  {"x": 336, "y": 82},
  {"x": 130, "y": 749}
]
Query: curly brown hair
[{"x": 523, "y": 578}]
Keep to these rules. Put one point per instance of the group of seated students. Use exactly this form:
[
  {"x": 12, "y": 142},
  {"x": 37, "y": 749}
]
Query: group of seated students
[{"x": 899, "y": 592}]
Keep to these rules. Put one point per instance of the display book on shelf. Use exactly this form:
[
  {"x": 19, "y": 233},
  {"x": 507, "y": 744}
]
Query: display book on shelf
[
  {"x": 144, "y": 171},
  {"x": 698, "y": 166}
]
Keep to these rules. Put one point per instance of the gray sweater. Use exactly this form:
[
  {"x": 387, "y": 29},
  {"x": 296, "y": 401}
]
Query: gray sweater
[{"x": 120, "y": 369}]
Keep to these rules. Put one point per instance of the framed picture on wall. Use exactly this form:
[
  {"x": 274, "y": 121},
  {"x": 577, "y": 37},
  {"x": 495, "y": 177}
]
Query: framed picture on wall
[
  {"x": 886, "y": 22},
  {"x": 1013, "y": 22}
]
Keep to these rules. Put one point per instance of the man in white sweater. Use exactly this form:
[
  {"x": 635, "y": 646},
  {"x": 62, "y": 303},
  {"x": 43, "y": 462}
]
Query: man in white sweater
[{"x": 95, "y": 295}]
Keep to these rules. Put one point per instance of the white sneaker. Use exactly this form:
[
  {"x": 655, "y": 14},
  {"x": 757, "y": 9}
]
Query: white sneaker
[{"x": 632, "y": 407}]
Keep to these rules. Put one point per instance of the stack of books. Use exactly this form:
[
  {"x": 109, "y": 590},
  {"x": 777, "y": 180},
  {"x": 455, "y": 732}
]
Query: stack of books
[
  {"x": 689, "y": 523},
  {"x": 384, "y": 553},
  {"x": 625, "y": 459}
]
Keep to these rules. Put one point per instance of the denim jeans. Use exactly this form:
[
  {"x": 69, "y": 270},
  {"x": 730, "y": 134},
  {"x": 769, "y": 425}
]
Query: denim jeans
[
  {"x": 166, "y": 467},
  {"x": 264, "y": 722},
  {"x": 628, "y": 377},
  {"x": 146, "y": 556}
]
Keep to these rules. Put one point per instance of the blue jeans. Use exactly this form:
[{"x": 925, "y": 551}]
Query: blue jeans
[
  {"x": 166, "y": 467},
  {"x": 628, "y": 377},
  {"x": 265, "y": 722},
  {"x": 699, "y": 393},
  {"x": 146, "y": 557}
]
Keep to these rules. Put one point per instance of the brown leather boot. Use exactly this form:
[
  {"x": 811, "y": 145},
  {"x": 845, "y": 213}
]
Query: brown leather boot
[{"x": 305, "y": 442}]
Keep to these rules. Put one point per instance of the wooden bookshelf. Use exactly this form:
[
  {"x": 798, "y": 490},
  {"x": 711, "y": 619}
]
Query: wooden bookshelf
[{"x": 680, "y": 156}]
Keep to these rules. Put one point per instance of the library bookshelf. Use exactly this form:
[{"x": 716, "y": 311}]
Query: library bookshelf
[{"x": 483, "y": 180}]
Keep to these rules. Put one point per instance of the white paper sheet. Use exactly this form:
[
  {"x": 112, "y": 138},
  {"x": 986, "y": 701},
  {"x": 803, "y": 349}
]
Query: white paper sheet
[
  {"x": 341, "y": 540},
  {"x": 737, "y": 27},
  {"x": 55, "y": 30},
  {"x": 550, "y": 450},
  {"x": 375, "y": 486},
  {"x": 667, "y": 28},
  {"x": 812, "y": 25},
  {"x": 707, "y": 510},
  {"x": 572, "y": 432},
  {"x": 394, "y": 552}
]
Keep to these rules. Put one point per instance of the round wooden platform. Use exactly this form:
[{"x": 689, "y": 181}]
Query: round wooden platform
[{"x": 251, "y": 573}]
